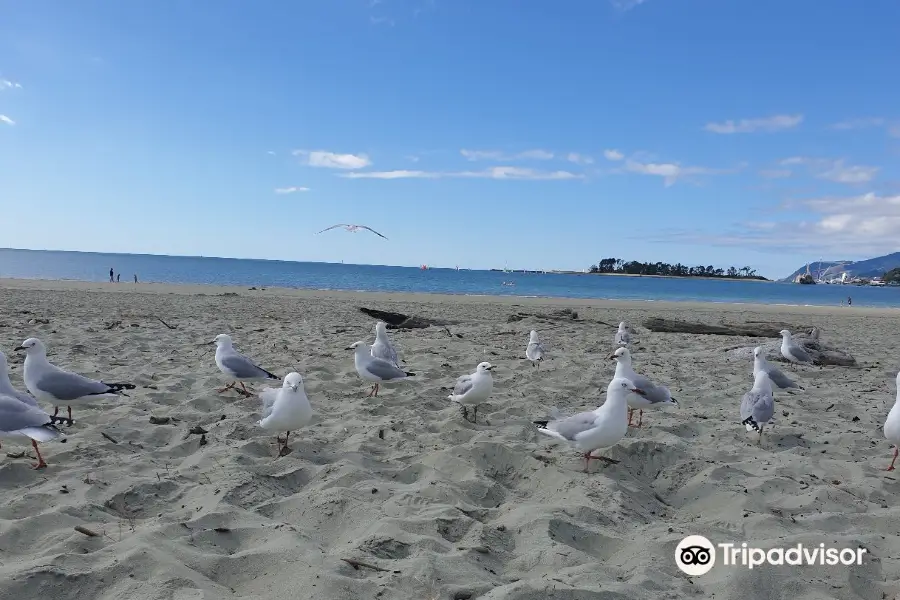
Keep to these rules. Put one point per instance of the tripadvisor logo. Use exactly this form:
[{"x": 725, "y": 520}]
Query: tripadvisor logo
[{"x": 696, "y": 555}]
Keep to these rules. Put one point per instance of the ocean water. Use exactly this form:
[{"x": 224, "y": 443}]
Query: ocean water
[{"x": 89, "y": 266}]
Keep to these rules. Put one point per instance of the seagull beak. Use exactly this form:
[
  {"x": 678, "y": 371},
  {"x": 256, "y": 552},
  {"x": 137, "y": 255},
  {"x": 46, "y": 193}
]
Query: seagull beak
[
  {"x": 350, "y": 348},
  {"x": 611, "y": 357},
  {"x": 638, "y": 391},
  {"x": 18, "y": 348},
  {"x": 295, "y": 387}
]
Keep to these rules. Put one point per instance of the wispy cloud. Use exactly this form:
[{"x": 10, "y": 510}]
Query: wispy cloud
[
  {"x": 867, "y": 224},
  {"x": 891, "y": 127},
  {"x": 413, "y": 158},
  {"x": 382, "y": 21},
  {"x": 613, "y": 155},
  {"x": 510, "y": 173},
  {"x": 270, "y": 152},
  {"x": 291, "y": 190},
  {"x": 836, "y": 170},
  {"x": 765, "y": 124},
  {"x": 498, "y": 156},
  {"x": 333, "y": 160},
  {"x": 624, "y": 5},
  {"x": 775, "y": 173},
  {"x": 671, "y": 173},
  {"x": 579, "y": 159},
  {"x": 6, "y": 84},
  {"x": 7, "y": 120}
]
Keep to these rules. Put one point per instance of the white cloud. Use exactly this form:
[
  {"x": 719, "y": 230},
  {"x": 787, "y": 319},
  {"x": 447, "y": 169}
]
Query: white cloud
[
  {"x": 836, "y": 170},
  {"x": 859, "y": 123},
  {"x": 7, "y": 120},
  {"x": 6, "y": 84},
  {"x": 671, "y": 172},
  {"x": 271, "y": 152},
  {"x": 863, "y": 225},
  {"x": 775, "y": 173},
  {"x": 516, "y": 173},
  {"x": 765, "y": 124},
  {"x": 291, "y": 190},
  {"x": 624, "y": 5},
  {"x": 333, "y": 160},
  {"x": 579, "y": 159},
  {"x": 382, "y": 21},
  {"x": 498, "y": 156},
  {"x": 613, "y": 155}
]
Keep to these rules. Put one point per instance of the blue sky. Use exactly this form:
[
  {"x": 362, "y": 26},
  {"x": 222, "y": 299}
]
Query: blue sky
[{"x": 469, "y": 132}]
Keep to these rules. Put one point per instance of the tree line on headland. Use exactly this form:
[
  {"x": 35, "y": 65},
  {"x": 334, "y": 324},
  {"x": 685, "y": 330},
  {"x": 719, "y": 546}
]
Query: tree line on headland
[{"x": 661, "y": 269}]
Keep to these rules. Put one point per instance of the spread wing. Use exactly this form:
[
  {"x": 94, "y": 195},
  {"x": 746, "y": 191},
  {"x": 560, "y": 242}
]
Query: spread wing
[
  {"x": 333, "y": 227},
  {"x": 372, "y": 230}
]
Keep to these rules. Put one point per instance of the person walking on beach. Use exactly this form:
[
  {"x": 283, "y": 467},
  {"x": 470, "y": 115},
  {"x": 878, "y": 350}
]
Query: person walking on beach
[
  {"x": 135, "y": 277},
  {"x": 110, "y": 275},
  {"x": 849, "y": 300}
]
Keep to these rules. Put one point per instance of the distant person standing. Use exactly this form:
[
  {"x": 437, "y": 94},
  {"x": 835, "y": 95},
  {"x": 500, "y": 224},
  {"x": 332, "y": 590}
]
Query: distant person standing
[
  {"x": 111, "y": 275},
  {"x": 118, "y": 278},
  {"x": 849, "y": 300},
  {"x": 135, "y": 277}
]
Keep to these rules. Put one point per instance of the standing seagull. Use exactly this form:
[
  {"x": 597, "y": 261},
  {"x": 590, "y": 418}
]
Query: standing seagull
[
  {"x": 534, "y": 351},
  {"x": 623, "y": 337},
  {"x": 760, "y": 364},
  {"x": 18, "y": 419},
  {"x": 892, "y": 425},
  {"x": 791, "y": 350},
  {"x": 600, "y": 428},
  {"x": 285, "y": 409},
  {"x": 351, "y": 228},
  {"x": 474, "y": 389},
  {"x": 49, "y": 383},
  {"x": 654, "y": 395},
  {"x": 383, "y": 348},
  {"x": 758, "y": 405},
  {"x": 7, "y": 389},
  {"x": 237, "y": 366},
  {"x": 376, "y": 370}
]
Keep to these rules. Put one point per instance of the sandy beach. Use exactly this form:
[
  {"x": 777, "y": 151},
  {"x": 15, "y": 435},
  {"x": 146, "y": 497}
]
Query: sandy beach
[{"x": 443, "y": 508}]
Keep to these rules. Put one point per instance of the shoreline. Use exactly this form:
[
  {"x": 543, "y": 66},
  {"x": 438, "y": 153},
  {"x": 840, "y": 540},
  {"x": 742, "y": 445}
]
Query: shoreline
[{"x": 198, "y": 289}]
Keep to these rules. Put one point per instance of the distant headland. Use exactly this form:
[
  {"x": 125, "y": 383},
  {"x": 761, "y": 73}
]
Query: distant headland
[{"x": 618, "y": 266}]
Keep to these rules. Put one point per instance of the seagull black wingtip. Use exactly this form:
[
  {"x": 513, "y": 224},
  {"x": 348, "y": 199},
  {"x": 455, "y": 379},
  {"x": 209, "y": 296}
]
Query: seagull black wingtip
[
  {"x": 541, "y": 423},
  {"x": 410, "y": 374}
]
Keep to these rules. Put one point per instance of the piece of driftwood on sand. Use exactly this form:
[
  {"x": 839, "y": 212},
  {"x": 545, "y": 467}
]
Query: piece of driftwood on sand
[{"x": 395, "y": 320}]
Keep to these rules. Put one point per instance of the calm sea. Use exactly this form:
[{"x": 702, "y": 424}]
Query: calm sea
[{"x": 88, "y": 266}]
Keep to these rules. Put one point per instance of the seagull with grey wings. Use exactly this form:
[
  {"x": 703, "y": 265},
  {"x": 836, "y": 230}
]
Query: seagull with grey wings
[
  {"x": 758, "y": 405},
  {"x": 383, "y": 348},
  {"x": 623, "y": 336},
  {"x": 534, "y": 351},
  {"x": 760, "y": 364},
  {"x": 56, "y": 386},
  {"x": 654, "y": 396},
  {"x": 378, "y": 371},
  {"x": 21, "y": 420},
  {"x": 351, "y": 228},
  {"x": 238, "y": 367},
  {"x": 791, "y": 350},
  {"x": 473, "y": 389}
]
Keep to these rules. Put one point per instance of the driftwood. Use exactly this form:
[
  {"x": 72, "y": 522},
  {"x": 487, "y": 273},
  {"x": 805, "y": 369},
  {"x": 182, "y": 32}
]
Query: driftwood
[
  {"x": 564, "y": 314},
  {"x": 396, "y": 320},
  {"x": 760, "y": 330}
]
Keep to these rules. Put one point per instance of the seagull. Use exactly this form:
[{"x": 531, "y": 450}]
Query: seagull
[
  {"x": 760, "y": 364},
  {"x": 383, "y": 348},
  {"x": 791, "y": 350},
  {"x": 599, "y": 428},
  {"x": 351, "y": 228},
  {"x": 892, "y": 425},
  {"x": 534, "y": 351},
  {"x": 18, "y": 419},
  {"x": 758, "y": 405},
  {"x": 474, "y": 389},
  {"x": 653, "y": 396},
  {"x": 623, "y": 337},
  {"x": 7, "y": 389},
  {"x": 376, "y": 370},
  {"x": 48, "y": 383},
  {"x": 237, "y": 366},
  {"x": 285, "y": 409}
]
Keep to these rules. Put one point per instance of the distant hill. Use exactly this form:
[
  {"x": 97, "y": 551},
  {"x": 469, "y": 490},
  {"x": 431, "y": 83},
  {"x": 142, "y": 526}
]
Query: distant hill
[{"x": 872, "y": 267}]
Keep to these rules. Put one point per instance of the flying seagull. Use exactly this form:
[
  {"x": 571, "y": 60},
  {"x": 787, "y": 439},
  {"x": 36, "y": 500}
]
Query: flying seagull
[{"x": 351, "y": 228}]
